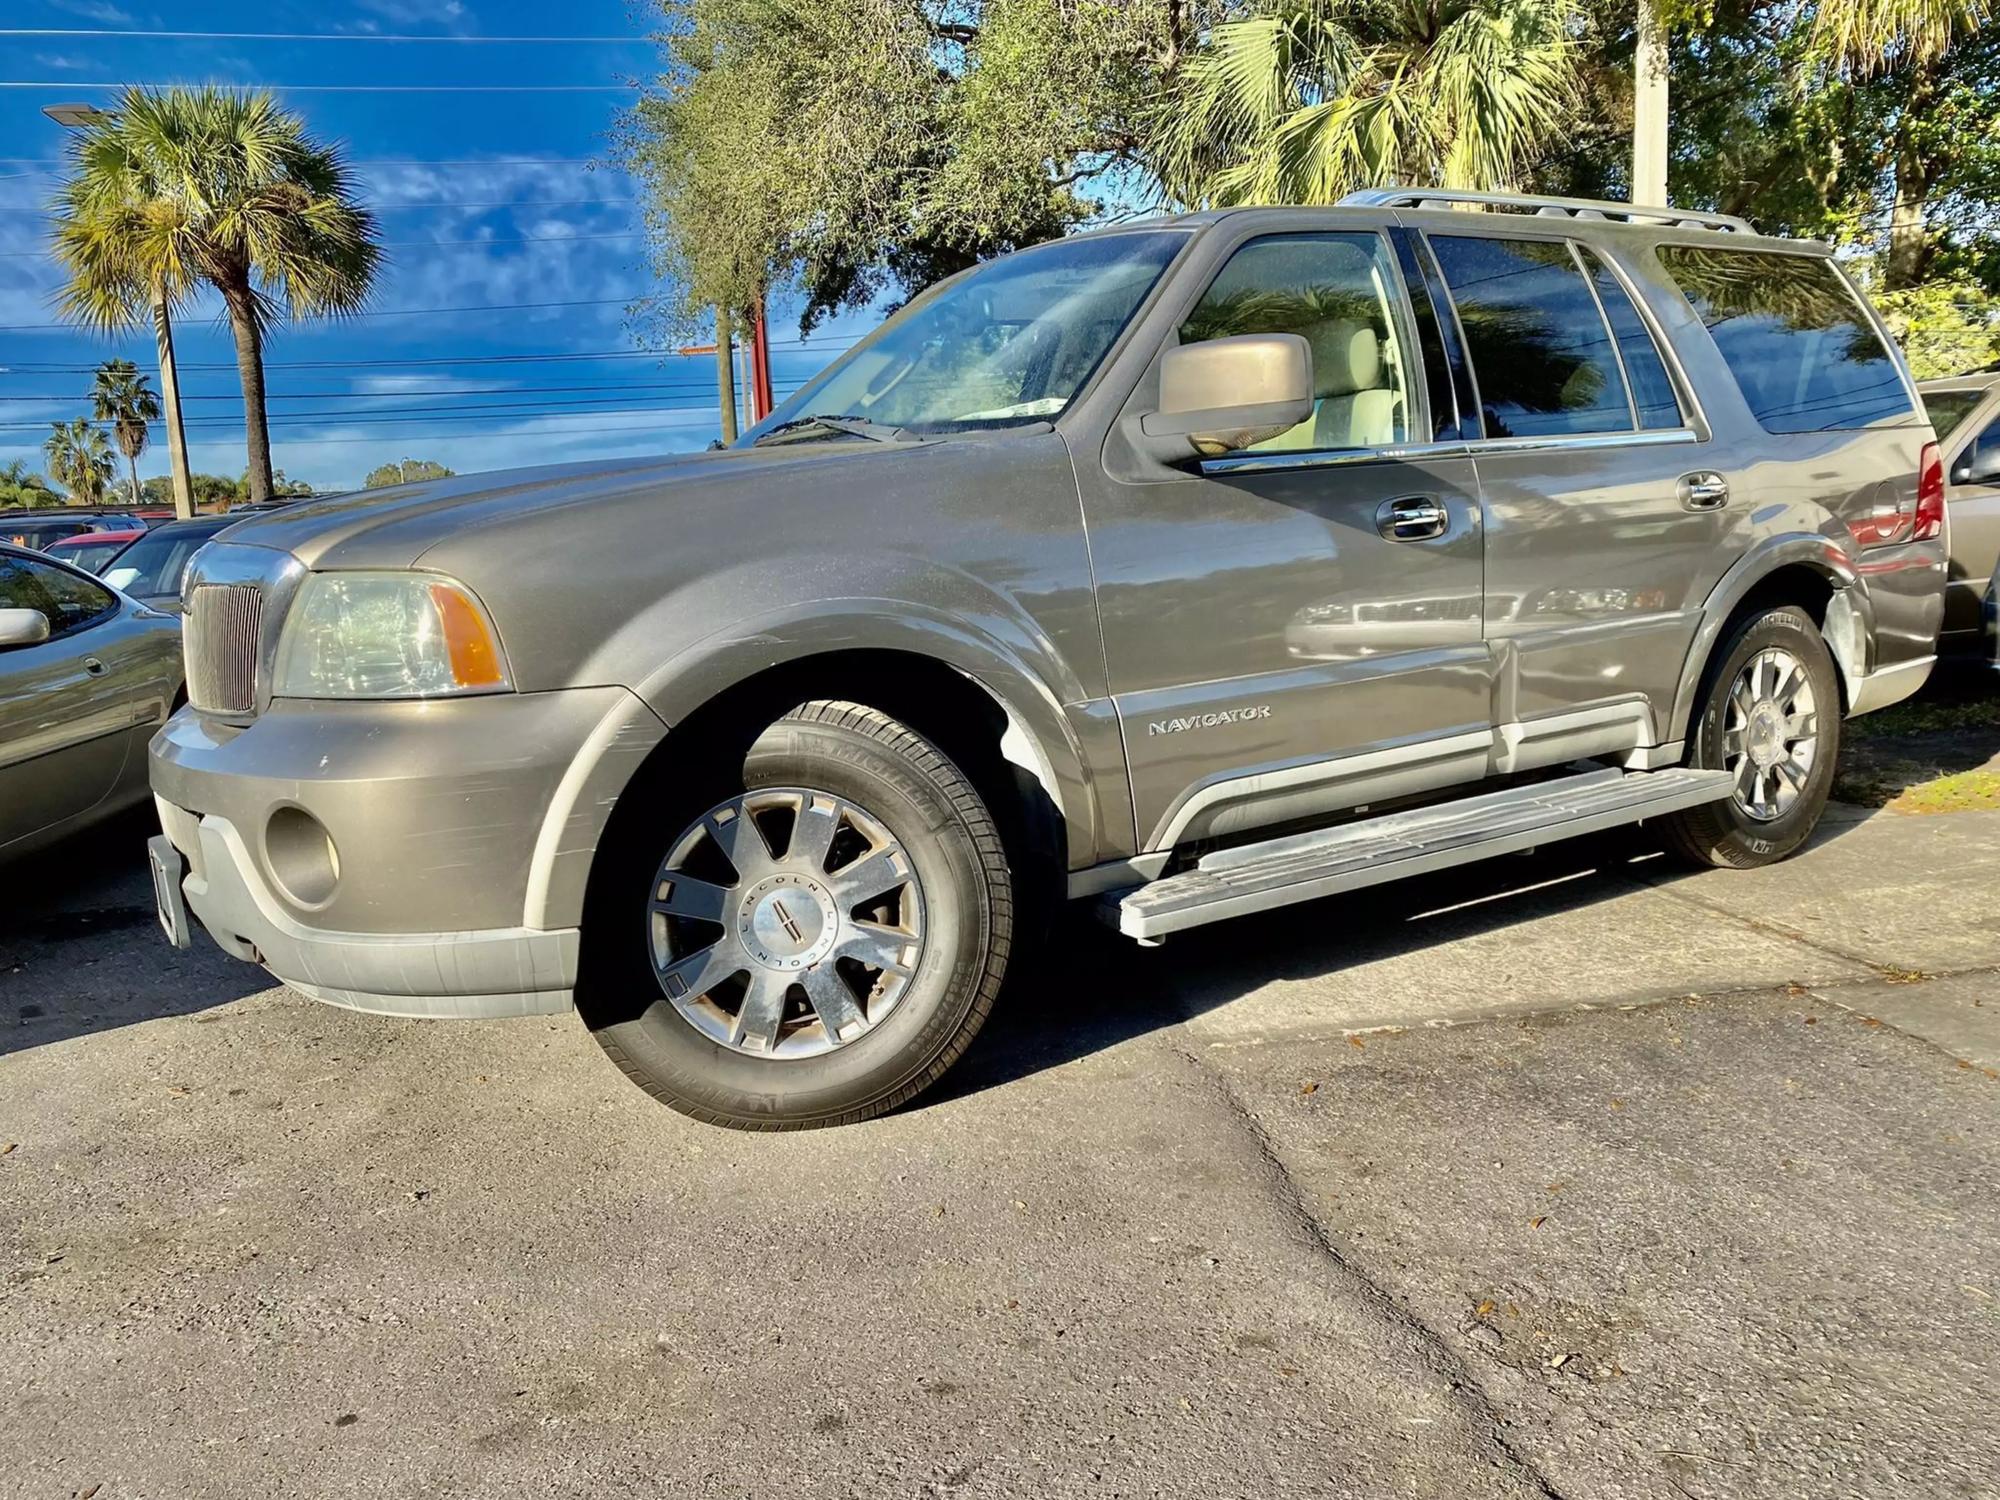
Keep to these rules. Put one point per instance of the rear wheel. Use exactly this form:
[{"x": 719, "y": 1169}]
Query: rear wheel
[
  {"x": 1770, "y": 716},
  {"x": 812, "y": 940}
]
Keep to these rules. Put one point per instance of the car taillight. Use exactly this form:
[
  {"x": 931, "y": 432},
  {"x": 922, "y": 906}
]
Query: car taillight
[{"x": 1930, "y": 496}]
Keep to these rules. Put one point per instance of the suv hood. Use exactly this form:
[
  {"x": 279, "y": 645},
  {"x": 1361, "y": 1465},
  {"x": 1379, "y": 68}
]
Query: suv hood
[{"x": 393, "y": 528}]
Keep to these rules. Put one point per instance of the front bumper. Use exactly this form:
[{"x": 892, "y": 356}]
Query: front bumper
[
  {"x": 387, "y": 856},
  {"x": 494, "y": 972}
]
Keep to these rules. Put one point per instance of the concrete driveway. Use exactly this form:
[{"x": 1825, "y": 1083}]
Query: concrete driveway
[{"x": 1569, "y": 1176}]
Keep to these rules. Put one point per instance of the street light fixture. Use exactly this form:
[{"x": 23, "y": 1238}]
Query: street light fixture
[{"x": 81, "y": 117}]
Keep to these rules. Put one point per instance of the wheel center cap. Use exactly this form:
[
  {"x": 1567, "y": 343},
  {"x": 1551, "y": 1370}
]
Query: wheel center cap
[
  {"x": 1764, "y": 738},
  {"x": 787, "y": 922}
]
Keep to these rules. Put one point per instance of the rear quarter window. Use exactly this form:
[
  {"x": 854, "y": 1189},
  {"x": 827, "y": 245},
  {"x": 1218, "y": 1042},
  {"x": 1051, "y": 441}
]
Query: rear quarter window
[{"x": 1802, "y": 351}]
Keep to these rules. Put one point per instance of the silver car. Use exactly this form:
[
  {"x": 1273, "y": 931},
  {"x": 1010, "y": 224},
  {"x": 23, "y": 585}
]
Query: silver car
[
  {"x": 86, "y": 676},
  {"x": 1188, "y": 569},
  {"x": 1966, "y": 413}
]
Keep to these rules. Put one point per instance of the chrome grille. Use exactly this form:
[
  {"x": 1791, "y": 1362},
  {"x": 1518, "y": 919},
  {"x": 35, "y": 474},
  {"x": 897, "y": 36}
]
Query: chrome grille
[{"x": 223, "y": 626}]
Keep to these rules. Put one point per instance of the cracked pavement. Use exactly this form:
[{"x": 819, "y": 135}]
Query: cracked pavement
[{"x": 1571, "y": 1175}]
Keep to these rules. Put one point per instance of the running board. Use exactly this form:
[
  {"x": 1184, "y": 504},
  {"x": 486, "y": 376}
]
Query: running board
[{"x": 1304, "y": 866}]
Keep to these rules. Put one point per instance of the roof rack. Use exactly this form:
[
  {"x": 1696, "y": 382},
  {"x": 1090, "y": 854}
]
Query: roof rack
[{"x": 1562, "y": 208}]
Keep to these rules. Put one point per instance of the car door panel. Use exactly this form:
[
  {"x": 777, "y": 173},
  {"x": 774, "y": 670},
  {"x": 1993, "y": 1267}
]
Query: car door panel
[
  {"x": 1974, "y": 511},
  {"x": 1274, "y": 650},
  {"x": 1260, "y": 629}
]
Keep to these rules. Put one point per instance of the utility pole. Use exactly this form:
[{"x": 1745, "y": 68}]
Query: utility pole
[
  {"x": 82, "y": 117},
  {"x": 1649, "y": 108},
  {"x": 725, "y": 371}
]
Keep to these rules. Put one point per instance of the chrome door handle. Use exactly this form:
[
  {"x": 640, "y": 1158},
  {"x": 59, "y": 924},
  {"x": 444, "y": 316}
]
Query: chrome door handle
[
  {"x": 1415, "y": 518},
  {"x": 1704, "y": 490},
  {"x": 93, "y": 666}
]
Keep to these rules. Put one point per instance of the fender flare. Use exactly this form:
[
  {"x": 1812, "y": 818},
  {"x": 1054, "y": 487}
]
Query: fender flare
[
  {"x": 1848, "y": 631},
  {"x": 1046, "y": 733},
  {"x": 1043, "y": 737}
]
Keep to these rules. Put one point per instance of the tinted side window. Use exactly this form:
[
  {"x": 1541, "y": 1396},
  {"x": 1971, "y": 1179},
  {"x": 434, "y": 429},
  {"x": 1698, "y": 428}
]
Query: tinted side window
[
  {"x": 1947, "y": 409},
  {"x": 1335, "y": 291},
  {"x": 1652, "y": 390},
  {"x": 68, "y": 600},
  {"x": 1540, "y": 352},
  {"x": 1792, "y": 334}
]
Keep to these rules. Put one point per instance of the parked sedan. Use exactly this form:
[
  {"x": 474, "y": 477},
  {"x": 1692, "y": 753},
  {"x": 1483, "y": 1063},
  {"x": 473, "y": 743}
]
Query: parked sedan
[
  {"x": 86, "y": 676},
  {"x": 92, "y": 550},
  {"x": 1966, "y": 413},
  {"x": 150, "y": 569},
  {"x": 41, "y": 529}
]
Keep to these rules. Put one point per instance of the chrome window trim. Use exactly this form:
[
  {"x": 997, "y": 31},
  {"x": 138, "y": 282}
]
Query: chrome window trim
[
  {"x": 1692, "y": 414},
  {"x": 1610, "y": 334},
  {"x": 1266, "y": 463}
]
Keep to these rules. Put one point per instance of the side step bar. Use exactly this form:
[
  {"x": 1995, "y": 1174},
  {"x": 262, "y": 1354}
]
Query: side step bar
[{"x": 1304, "y": 866}]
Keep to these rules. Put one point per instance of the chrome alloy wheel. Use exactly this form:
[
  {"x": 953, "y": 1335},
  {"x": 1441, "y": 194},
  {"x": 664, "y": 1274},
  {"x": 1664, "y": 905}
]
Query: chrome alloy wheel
[
  {"x": 786, "y": 922},
  {"x": 1770, "y": 733}
]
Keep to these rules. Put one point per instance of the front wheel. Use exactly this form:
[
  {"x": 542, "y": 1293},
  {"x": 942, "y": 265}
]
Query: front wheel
[
  {"x": 814, "y": 946},
  {"x": 1770, "y": 716}
]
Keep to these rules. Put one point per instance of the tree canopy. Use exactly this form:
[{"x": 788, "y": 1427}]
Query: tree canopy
[
  {"x": 407, "y": 471},
  {"x": 847, "y": 155}
]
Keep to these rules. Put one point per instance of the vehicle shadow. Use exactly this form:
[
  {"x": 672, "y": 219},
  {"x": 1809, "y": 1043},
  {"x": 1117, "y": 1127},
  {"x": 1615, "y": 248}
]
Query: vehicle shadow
[
  {"x": 81, "y": 950},
  {"x": 1089, "y": 989}
]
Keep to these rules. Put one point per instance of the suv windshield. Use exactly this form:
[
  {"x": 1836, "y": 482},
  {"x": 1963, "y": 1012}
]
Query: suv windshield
[{"x": 1008, "y": 342}]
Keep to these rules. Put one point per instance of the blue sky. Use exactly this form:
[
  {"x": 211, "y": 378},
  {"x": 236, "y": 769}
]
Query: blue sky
[{"x": 487, "y": 200}]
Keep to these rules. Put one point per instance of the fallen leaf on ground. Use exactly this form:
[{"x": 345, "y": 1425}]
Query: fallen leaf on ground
[
  {"x": 1617, "y": 1103},
  {"x": 1538, "y": 1223},
  {"x": 1870, "y": 1021},
  {"x": 1355, "y": 1041},
  {"x": 1308, "y": 1088},
  {"x": 1482, "y": 1310},
  {"x": 177, "y": 1092},
  {"x": 6, "y": 1147}
]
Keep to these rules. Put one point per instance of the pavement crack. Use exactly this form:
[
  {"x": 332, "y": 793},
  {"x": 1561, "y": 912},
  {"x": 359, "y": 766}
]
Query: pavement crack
[
  {"x": 1445, "y": 1362},
  {"x": 1774, "y": 929}
]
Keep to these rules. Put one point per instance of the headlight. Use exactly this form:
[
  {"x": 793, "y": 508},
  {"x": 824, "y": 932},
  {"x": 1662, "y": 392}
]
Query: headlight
[{"x": 386, "y": 635}]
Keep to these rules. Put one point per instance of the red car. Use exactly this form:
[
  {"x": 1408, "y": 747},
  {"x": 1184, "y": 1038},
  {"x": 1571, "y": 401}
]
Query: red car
[{"x": 91, "y": 550}]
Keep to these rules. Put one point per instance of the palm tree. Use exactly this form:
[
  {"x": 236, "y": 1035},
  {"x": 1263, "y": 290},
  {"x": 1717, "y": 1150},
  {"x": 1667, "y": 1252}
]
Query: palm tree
[
  {"x": 181, "y": 188},
  {"x": 79, "y": 460},
  {"x": 119, "y": 395},
  {"x": 1303, "y": 101}
]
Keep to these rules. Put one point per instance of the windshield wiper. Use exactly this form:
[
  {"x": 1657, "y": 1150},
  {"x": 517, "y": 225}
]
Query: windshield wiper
[{"x": 798, "y": 427}]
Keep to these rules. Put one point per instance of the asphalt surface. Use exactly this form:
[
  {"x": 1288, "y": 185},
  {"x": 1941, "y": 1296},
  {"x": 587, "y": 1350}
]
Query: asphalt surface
[{"x": 1573, "y": 1175}]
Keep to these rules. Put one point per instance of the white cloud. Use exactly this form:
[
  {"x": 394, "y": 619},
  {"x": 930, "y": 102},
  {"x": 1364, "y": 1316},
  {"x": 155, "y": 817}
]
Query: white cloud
[{"x": 95, "y": 10}]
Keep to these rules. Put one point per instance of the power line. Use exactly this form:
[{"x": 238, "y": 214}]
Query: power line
[
  {"x": 498, "y": 239},
  {"x": 442, "y": 390},
  {"x": 344, "y": 88},
  {"x": 324, "y": 36},
  {"x": 804, "y": 346},
  {"x": 383, "y": 161}
]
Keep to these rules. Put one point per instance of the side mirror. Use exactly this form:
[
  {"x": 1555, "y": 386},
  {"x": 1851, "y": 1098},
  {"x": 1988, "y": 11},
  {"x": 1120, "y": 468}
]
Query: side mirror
[
  {"x": 1979, "y": 467},
  {"x": 1224, "y": 394},
  {"x": 23, "y": 627}
]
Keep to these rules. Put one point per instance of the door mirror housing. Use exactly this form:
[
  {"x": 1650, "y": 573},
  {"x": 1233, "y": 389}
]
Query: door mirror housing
[
  {"x": 23, "y": 627},
  {"x": 1980, "y": 467},
  {"x": 1225, "y": 394}
]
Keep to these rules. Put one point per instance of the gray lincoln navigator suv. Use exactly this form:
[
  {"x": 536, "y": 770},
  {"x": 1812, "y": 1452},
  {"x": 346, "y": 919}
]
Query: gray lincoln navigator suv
[{"x": 1188, "y": 568}]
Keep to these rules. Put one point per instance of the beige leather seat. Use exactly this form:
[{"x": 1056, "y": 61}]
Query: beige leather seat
[{"x": 1352, "y": 405}]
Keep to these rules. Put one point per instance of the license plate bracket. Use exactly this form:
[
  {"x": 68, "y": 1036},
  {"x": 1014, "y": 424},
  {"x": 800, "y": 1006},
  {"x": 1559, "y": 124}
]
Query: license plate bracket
[{"x": 168, "y": 900}]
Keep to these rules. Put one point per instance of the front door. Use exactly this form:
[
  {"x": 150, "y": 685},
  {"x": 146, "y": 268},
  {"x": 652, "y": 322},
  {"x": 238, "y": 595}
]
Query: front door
[{"x": 1294, "y": 628}]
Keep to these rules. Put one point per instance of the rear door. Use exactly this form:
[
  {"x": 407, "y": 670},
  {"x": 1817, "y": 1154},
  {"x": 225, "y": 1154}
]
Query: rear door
[
  {"x": 1294, "y": 627},
  {"x": 1606, "y": 527}
]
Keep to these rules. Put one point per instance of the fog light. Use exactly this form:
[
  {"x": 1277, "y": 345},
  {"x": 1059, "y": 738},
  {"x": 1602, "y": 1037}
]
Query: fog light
[{"x": 301, "y": 855}]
